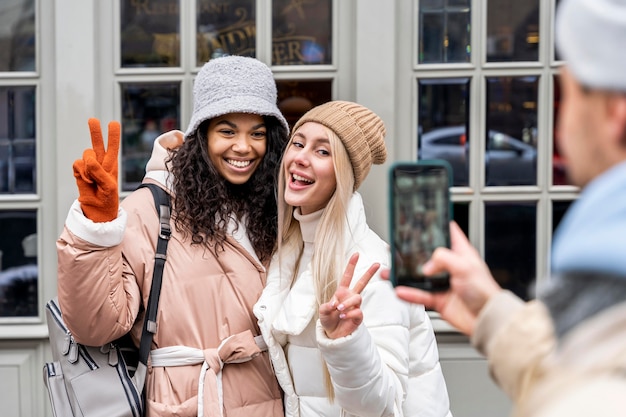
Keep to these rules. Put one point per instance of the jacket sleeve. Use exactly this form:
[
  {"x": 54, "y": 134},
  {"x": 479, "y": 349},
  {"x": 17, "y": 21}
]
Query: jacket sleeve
[
  {"x": 370, "y": 367},
  {"x": 427, "y": 393},
  {"x": 98, "y": 292},
  {"x": 515, "y": 337}
]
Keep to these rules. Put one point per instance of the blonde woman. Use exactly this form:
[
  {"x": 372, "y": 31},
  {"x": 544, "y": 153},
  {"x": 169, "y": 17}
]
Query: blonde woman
[{"x": 341, "y": 346}]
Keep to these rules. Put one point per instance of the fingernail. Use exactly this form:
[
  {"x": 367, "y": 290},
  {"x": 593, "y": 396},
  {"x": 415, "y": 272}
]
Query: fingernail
[
  {"x": 333, "y": 302},
  {"x": 340, "y": 307},
  {"x": 342, "y": 316}
]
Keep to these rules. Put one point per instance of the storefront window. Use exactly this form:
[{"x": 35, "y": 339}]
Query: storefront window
[
  {"x": 443, "y": 130},
  {"x": 444, "y": 31},
  {"x": 18, "y": 263},
  {"x": 556, "y": 53},
  {"x": 302, "y": 32},
  {"x": 297, "y": 97},
  {"x": 460, "y": 214},
  {"x": 559, "y": 172},
  {"x": 510, "y": 245},
  {"x": 512, "y": 30},
  {"x": 225, "y": 28},
  {"x": 18, "y": 162},
  {"x": 511, "y": 142},
  {"x": 559, "y": 208},
  {"x": 150, "y": 33},
  {"x": 148, "y": 109},
  {"x": 17, "y": 35}
]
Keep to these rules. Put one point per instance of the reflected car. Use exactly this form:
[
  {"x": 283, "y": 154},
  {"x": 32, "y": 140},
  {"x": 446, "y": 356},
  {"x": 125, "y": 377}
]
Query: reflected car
[{"x": 508, "y": 161}]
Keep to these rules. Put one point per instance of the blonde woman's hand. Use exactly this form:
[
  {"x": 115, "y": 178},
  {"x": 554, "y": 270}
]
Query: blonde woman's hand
[{"x": 342, "y": 315}]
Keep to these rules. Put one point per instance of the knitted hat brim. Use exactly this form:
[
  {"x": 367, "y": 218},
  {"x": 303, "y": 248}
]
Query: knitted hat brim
[{"x": 239, "y": 104}]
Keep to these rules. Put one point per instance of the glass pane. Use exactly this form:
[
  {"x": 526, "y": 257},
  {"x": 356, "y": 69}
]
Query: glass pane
[
  {"x": 18, "y": 162},
  {"x": 444, "y": 32},
  {"x": 510, "y": 245},
  {"x": 148, "y": 109},
  {"x": 302, "y": 32},
  {"x": 17, "y": 37},
  {"x": 443, "y": 124},
  {"x": 297, "y": 97},
  {"x": 559, "y": 171},
  {"x": 511, "y": 144},
  {"x": 431, "y": 4},
  {"x": 559, "y": 208},
  {"x": 150, "y": 33},
  {"x": 556, "y": 53},
  {"x": 512, "y": 30},
  {"x": 460, "y": 214},
  {"x": 225, "y": 28},
  {"x": 18, "y": 263}
]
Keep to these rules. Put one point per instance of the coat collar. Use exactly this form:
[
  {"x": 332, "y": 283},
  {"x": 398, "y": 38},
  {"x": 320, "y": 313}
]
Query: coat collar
[{"x": 300, "y": 304}]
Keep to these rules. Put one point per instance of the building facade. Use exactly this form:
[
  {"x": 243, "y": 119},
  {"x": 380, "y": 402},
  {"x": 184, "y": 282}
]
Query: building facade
[{"x": 474, "y": 82}]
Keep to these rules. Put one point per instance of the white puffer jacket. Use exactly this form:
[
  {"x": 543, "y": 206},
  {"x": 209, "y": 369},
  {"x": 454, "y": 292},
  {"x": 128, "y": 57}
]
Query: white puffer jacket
[{"x": 388, "y": 367}]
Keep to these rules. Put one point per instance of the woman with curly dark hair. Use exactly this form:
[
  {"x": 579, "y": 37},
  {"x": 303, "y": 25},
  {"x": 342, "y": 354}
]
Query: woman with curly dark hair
[{"x": 206, "y": 358}]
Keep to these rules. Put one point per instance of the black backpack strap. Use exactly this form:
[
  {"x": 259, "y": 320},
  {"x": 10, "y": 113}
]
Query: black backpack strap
[{"x": 162, "y": 204}]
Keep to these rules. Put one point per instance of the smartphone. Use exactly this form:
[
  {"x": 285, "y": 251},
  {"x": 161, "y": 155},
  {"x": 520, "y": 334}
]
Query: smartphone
[{"x": 420, "y": 213}]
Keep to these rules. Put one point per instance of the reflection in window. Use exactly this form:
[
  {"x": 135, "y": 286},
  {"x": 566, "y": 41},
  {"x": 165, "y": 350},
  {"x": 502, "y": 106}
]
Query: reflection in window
[
  {"x": 225, "y": 28},
  {"x": 150, "y": 33},
  {"x": 444, "y": 31},
  {"x": 510, "y": 245},
  {"x": 559, "y": 208},
  {"x": 301, "y": 32},
  {"x": 18, "y": 263},
  {"x": 460, "y": 214},
  {"x": 556, "y": 53},
  {"x": 18, "y": 162},
  {"x": 559, "y": 171},
  {"x": 17, "y": 37},
  {"x": 511, "y": 143},
  {"x": 296, "y": 97},
  {"x": 148, "y": 109},
  {"x": 512, "y": 30},
  {"x": 444, "y": 124}
]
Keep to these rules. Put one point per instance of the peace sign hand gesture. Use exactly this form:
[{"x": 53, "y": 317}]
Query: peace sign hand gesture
[
  {"x": 96, "y": 174},
  {"x": 342, "y": 315}
]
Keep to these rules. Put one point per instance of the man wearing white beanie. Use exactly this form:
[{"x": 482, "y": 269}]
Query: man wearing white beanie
[{"x": 563, "y": 354}]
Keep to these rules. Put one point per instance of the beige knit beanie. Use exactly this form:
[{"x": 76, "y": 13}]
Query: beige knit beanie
[{"x": 360, "y": 129}]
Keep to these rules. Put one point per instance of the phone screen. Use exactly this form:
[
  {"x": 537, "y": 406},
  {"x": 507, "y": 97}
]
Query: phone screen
[{"x": 420, "y": 216}]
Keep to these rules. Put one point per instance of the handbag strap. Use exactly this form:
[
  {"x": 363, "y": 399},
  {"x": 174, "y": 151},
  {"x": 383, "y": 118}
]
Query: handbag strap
[{"x": 162, "y": 203}]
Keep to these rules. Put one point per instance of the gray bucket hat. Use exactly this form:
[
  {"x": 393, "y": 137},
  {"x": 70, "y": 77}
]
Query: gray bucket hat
[{"x": 234, "y": 84}]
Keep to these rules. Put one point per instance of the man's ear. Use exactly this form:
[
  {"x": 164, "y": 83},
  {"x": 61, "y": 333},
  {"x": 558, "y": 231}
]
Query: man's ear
[{"x": 616, "y": 112}]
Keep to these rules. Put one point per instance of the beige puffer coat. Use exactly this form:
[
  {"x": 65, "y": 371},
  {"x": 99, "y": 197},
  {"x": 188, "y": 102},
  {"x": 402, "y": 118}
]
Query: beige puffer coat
[
  {"x": 585, "y": 375},
  {"x": 105, "y": 272}
]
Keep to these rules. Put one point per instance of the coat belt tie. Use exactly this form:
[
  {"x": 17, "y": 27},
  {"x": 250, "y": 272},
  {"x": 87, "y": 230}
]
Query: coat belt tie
[{"x": 238, "y": 348}]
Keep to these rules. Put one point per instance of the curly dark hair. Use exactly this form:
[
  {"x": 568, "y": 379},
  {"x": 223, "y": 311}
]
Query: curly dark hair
[{"x": 204, "y": 201}]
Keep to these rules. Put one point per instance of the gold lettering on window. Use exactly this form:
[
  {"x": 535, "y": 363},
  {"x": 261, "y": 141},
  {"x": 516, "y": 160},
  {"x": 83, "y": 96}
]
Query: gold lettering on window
[
  {"x": 236, "y": 39},
  {"x": 155, "y": 8}
]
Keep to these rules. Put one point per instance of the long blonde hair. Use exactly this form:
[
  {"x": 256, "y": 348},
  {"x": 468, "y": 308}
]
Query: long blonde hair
[{"x": 328, "y": 261}]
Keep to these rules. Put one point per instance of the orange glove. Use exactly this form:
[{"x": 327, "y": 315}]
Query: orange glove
[{"x": 96, "y": 174}]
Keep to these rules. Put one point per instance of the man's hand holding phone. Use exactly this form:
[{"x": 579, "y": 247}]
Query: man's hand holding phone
[{"x": 471, "y": 283}]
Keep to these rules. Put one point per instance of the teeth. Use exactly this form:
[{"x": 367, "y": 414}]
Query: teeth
[
  {"x": 299, "y": 178},
  {"x": 238, "y": 164}
]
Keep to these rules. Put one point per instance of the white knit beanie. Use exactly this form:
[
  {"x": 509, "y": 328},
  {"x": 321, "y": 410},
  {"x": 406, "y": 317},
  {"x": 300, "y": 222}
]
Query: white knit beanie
[
  {"x": 590, "y": 35},
  {"x": 234, "y": 84}
]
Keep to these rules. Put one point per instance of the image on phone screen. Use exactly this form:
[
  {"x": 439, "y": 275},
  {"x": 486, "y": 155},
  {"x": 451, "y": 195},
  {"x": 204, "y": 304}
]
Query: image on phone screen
[{"x": 420, "y": 216}]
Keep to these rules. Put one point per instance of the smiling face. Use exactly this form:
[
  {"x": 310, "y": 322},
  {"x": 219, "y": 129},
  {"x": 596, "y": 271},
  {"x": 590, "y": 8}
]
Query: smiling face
[
  {"x": 309, "y": 169},
  {"x": 237, "y": 143}
]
